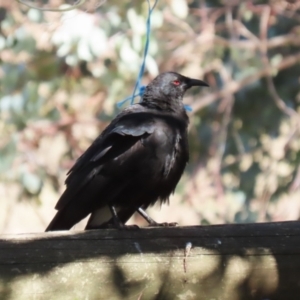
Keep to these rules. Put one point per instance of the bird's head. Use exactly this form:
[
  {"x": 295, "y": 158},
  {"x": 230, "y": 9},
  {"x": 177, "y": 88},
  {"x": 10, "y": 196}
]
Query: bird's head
[{"x": 168, "y": 89}]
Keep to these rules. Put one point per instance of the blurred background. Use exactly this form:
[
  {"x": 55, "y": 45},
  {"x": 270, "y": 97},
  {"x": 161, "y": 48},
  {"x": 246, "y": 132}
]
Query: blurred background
[{"x": 62, "y": 73}]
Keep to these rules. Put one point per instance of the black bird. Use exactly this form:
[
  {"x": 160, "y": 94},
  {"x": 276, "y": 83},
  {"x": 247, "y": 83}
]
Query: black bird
[{"x": 135, "y": 162}]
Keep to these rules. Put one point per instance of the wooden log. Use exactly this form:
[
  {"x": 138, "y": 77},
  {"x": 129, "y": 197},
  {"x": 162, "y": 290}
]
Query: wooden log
[{"x": 234, "y": 262}]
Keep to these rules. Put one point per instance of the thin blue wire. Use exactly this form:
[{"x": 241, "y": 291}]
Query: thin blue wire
[{"x": 141, "y": 89}]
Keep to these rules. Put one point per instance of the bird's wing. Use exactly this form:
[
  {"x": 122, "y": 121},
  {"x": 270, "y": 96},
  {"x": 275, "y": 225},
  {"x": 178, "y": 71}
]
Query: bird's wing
[{"x": 116, "y": 140}]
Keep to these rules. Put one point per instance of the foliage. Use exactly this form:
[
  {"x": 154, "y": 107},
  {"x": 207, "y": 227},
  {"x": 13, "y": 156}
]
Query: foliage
[{"x": 62, "y": 74}]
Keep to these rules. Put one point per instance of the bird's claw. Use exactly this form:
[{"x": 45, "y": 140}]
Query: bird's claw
[
  {"x": 119, "y": 226},
  {"x": 129, "y": 227},
  {"x": 124, "y": 227},
  {"x": 164, "y": 224}
]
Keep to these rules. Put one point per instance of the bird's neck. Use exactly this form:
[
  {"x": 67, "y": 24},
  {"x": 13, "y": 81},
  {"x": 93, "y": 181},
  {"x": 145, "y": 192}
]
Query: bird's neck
[
  {"x": 166, "y": 105},
  {"x": 162, "y": 107}
]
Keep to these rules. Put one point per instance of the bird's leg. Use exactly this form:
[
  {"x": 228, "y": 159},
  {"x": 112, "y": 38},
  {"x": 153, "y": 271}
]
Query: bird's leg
[
  {"x": 146, "y": 217},
  {"x": 117, "y": 222},
  {"x": 116, "y": 219},
  {"x": 153, "y": 223}
]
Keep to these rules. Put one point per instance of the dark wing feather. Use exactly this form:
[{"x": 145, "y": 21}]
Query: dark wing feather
[{"x": 113, "y": 142}]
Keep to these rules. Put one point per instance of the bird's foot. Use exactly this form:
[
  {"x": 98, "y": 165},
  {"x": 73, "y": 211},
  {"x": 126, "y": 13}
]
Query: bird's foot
[
  {"x": 164, "y": 224},
  {"x": 114, "y": 226},
  {"x": 130, "y": 227},
  {"x": 151, "y": 222},
  {"x": 122, "y": 226}
]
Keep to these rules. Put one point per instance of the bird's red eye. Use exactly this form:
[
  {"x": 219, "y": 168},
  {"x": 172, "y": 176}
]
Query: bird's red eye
[{"x": 176, "y": 82}]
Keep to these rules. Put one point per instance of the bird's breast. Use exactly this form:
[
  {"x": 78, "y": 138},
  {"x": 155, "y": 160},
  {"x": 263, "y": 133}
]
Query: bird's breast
[{"x": 170, "y": 151}]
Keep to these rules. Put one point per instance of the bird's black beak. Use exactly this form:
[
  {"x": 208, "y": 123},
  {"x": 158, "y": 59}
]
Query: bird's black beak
[{"x": 195, "y": 82}]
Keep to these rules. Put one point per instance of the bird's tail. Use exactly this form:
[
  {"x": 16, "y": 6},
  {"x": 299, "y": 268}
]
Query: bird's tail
[
  {"x": 67, "y": 217},
  {"x": 60, "y": 222}
]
